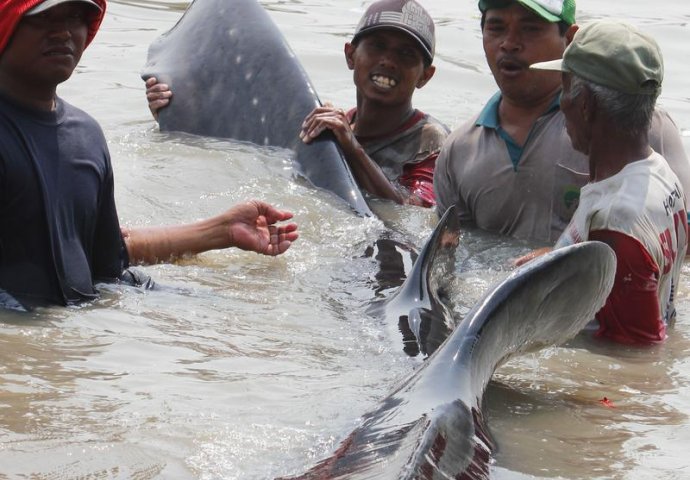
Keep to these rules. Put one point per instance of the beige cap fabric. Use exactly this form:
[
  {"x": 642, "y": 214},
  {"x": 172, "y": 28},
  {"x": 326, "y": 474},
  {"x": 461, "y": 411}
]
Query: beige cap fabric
[{"x": 615, "y": 55}]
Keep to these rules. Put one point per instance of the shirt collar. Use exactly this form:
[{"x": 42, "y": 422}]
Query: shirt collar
[{"x": 488, "y": 117}]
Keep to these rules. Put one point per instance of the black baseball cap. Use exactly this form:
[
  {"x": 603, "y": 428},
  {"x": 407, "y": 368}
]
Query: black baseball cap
[{"x": 405, "y": 15}]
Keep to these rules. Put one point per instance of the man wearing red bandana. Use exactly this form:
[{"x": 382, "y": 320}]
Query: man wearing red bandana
[{"x": 59, "y": 229}]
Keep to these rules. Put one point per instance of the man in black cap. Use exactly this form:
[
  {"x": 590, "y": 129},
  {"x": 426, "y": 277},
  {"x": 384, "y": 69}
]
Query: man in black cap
[{"x": 390, "y": 146}]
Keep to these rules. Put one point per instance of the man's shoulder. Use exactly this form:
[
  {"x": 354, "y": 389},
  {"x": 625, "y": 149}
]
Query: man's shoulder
[
  {"x": 75, "y": 117},
  {"x": 433, "y": 132},
  {"x": 634, "y": 189},
  {"x": 466, "y": 132},
  {"x": 431, "y": 122},
  {"x": 75, "y": 112}
]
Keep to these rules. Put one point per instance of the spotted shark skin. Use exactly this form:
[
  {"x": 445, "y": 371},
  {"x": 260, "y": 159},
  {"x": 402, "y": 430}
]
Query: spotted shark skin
[
  {"x": 233, "y": 75},
  {"x": 431, "y": 426}
]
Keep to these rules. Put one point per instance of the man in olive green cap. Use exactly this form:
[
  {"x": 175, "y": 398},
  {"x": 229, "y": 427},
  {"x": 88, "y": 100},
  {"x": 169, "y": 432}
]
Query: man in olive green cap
[
  {"x": 612, "y": 75},
  {"x": 511, "y": 169}
]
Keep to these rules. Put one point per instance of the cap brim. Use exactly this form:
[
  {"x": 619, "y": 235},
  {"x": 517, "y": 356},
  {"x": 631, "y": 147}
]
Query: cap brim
[
  {"x": 400, "y": 28},
  {"x": 556, "y": 65},
  {"x": 43, "y": 6},
  {"x": 532, "y": 6},
  {"x": 541, "y": 11}
]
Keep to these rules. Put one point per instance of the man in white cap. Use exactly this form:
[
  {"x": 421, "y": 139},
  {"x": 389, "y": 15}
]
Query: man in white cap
[
  {"x": 511, "y": 169},
  {"x": 612, "y": 75},
  {"x": 59, "y": 227}
]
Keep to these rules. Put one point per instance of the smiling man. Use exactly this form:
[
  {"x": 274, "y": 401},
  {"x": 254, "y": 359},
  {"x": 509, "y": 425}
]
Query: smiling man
[
  {"x": 511, "y": 169},
  {"x": 390, "y": 146},
  {"x": 60, "y": 231}
]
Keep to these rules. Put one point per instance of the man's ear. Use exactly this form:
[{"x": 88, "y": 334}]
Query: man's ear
[
  {"x": 349, "y": 52},
  {"x": 570, "y": 33},
  {"x": 589, "y": 105},
  {"x": 426, "y": 76}
]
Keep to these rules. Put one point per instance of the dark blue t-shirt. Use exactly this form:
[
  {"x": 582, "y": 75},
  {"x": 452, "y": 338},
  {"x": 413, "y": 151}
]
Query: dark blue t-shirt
[{"x": 59, "y": 230}]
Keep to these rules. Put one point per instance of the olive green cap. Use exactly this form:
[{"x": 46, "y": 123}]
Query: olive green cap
[
  {"x": 614, "y": 55},
  {"x": 550, "y": 10}
]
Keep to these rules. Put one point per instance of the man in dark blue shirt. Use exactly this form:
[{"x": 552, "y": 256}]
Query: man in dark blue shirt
[{"x": 59, "y": 229}]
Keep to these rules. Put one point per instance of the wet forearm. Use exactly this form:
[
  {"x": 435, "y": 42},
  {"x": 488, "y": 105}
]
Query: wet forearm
[
  {"x": 370, "y": 177},
  {"x": 152, "y": 245}
]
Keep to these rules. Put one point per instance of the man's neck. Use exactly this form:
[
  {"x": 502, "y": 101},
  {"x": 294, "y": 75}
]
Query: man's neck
[
  {"x": 611, "y": 151},
  {"x": 37, "y": 99},
  {"x": 374, "y": 119},
  {"x": 517, "y": 117}
]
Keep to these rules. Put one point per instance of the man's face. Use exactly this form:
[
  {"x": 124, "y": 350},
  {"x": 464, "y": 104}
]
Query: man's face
[
  {"x": 46, "y": 48},
  {"x": 388, "y": 65},
  {"x": 514, "y": 38},
  {"x": 575, "y": 122}
]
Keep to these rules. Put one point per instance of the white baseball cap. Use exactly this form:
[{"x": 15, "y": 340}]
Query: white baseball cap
[{"x": 43, "y": 6}]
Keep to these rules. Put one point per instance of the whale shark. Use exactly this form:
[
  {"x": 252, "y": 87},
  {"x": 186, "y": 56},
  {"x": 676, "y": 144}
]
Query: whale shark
[
  {"x": 430, "y": 426},
  {"x": 234, "y": 76}
]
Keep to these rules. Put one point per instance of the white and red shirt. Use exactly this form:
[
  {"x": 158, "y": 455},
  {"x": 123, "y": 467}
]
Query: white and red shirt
[{"x": 640, "y": 213}]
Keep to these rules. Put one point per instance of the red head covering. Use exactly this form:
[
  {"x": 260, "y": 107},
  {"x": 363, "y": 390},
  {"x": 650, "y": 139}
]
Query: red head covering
[{"x": 12, "y": 11}]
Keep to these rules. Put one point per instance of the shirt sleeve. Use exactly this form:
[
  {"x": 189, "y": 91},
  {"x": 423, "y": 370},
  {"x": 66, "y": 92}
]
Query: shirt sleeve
[
  {"x": 418, "y": 178},
  {"x": 446, "y": 182},
  {"x": 664, "y": 137},
  {"x": 632, "y": 313},
  {"x": 110, "y": 253}
]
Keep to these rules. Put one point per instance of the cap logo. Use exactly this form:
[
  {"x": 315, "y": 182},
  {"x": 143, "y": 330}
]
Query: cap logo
[
  {"x": 412, "y": 16},
  {"x": 553, "y": 6}
]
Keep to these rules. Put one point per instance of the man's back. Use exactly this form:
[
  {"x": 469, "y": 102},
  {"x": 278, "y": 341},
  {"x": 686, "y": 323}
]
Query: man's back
[{"x": 641, "y": 212}]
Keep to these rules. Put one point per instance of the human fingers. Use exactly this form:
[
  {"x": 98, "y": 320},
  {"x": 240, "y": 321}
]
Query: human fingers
[
  {"x": 517, "y": 262},
  {"x": 328, "y": 120},
  {"x": 316, "y": 113},
  {"x": 279, "y": 241},
  {"x": 270, "y": 213},
  {"x": 309, "y": 133},
  {"x": 319, "y": 111},
  {"x": 284, "y": 232},
  {"x": 159, "y": 89},
  {"x": 278, "y": 249},
  {"x": 531, "y": 256},
  {"x": 156, "y": 96},
  {"x": 156, "y": 105},
  {"x": 288, "y": 232}
]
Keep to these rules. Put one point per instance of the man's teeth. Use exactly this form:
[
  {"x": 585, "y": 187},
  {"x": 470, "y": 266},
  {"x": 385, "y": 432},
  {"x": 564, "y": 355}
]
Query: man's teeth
[{"x": 384, "y": 82}]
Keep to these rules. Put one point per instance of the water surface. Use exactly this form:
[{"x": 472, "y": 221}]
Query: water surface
[{"x": 249, "y": 367}]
